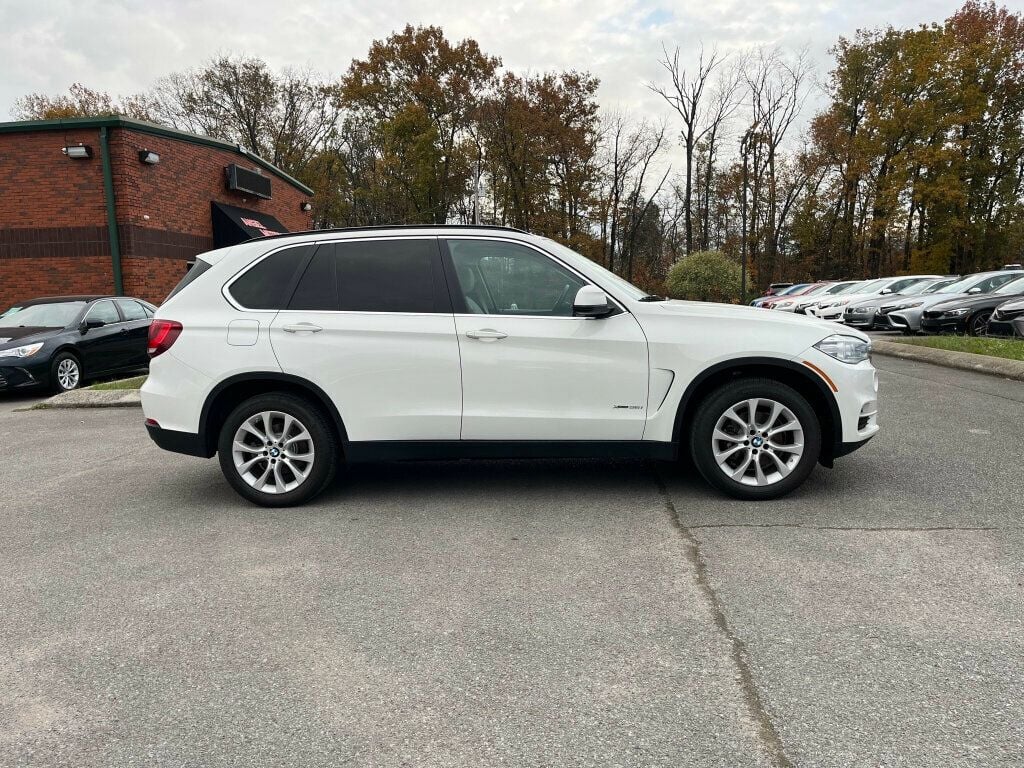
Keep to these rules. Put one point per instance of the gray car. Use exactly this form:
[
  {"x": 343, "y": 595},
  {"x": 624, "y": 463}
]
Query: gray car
[
  {"x": 864, "y": 314},
  {"x": 1008, "y": 319},
  {"x": 905, "y": 315}
]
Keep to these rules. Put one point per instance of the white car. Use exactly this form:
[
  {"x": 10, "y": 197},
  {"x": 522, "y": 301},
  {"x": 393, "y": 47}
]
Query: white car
[
  {"x": 832, "y": 309},
  {"x": 799, "y": 304},
  {"x": 289, "y": 354}
]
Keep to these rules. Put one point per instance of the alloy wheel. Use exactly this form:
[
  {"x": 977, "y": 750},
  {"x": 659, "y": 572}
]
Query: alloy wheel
[
  {"x": 68, "y": 374},
  {"x": 979, "y": 325},
  {"x": 273, "y": 452},
  {"x": 757, "y": 442}
]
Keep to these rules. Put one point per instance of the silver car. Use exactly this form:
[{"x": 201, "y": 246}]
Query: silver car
[
  {"x": 864, "y": 314},
  {"x": 905, "y": 315}
]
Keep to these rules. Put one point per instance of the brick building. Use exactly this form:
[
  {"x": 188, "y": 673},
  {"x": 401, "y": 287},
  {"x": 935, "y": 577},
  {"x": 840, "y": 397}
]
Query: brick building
[{"x": 111, "y": 205}]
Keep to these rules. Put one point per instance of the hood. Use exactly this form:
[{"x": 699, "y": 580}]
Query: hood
[
  {"x": 927, "y": 301},
  {"x": 754, "y": 316},
  {"x": 17, "y": 335},
  {"x": 972, "y": 301},
  {"x": 880, "y": 301},
  {"x": 1013, "y": 304}
]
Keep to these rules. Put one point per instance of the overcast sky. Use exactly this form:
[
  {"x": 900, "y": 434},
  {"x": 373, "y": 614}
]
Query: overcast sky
[{"x": 122, "y": 46}]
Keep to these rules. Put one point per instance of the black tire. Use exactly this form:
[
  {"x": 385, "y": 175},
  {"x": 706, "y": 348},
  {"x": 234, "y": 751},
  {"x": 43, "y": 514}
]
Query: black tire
[
  {"x": 57, "y": 379},
  {"x": 715, "y": 405},
  {"x": 978, "y": 324},
  {"x": 325, "y": 450}
]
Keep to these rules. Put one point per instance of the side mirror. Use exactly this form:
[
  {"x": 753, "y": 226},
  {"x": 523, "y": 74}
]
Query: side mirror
[
  {"x": 91, "y": 323},
  {"x": 591, "y": 301},
  {"x": 975, "y": 289},
  {"x": 886, "y": 291}
]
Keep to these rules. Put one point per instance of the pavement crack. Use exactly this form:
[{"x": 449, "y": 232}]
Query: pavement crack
[{"x": 768, "y": 736}]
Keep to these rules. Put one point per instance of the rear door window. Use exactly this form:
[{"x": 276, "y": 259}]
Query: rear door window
[
  {"x": 131, "y": 310},
  {"x": 269, "y": 284}
]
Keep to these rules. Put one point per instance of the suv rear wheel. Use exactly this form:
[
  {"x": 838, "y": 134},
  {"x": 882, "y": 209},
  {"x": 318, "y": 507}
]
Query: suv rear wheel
[
  {"x": 277, "y": 450},
  {"x": 755, "y": 439}
]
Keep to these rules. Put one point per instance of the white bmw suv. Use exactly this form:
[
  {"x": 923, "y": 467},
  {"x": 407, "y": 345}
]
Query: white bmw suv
[{"x": 289, "y": 355}]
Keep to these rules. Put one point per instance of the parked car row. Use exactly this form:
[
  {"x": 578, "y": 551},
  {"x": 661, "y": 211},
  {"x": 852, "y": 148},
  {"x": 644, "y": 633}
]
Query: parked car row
[
  {"x": 60, "y": 342},
  {"x": 984, "y": 303}
]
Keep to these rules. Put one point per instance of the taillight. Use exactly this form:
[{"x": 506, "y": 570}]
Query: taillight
[{"x": 162, "y": 334}]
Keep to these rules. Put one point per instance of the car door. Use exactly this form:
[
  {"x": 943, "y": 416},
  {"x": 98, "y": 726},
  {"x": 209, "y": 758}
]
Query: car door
[
  {"x": 135, "y": 332},
  {"x": 101, "y": 348},
  {"x": 370, "y": 322},
  {"x": 530, "y": 369}
]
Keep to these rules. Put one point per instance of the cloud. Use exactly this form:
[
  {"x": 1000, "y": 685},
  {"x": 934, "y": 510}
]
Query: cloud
[{"x": 123, "y": 46}]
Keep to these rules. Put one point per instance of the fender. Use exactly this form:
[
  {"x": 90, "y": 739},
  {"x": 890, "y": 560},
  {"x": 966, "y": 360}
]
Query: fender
[{"x": 738, "y": 364}]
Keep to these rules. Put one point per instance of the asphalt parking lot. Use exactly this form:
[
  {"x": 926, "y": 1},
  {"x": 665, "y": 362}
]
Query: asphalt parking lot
[{"x": 519, "y": 613}]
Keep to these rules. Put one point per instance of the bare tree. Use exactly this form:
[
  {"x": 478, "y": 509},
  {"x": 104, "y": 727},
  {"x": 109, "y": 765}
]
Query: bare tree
[
  {"x": 777, "y": 90},
  {"x": 701, "y": 110},
  {"x": 627, "y": 150}
]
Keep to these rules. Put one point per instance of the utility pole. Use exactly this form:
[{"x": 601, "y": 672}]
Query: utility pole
[{"x": 744, "y": 148}]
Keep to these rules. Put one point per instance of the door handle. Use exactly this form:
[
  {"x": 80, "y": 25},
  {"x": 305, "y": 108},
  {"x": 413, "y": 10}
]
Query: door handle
[
  {"x": 486, "y": 334},
  {"x": 302, "y": 328}
]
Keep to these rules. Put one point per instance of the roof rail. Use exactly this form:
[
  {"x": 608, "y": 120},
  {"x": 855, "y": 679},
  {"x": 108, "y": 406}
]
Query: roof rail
[{"x": 378, "y": 227}]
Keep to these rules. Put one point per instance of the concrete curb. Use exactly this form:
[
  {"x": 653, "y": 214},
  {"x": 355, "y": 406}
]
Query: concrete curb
[
  {"x": 94, "y": 398},
  {"x": 964, "y": 361}
]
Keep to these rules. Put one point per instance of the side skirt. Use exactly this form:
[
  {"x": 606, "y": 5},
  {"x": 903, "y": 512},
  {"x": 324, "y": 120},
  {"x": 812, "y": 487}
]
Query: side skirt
[{"x": 427, "y": 450}]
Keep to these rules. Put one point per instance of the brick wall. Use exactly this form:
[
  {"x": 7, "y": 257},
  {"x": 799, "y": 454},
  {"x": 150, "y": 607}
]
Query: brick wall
[{"x": 53, "y": 225}]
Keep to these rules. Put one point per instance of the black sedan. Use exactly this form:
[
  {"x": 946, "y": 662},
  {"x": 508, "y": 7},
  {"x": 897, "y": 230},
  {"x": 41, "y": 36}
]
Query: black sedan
[
  {"x": 60, "y": 341},
  {"x": 1008, "y": 319},
  {"x": 971, "y": 313}
]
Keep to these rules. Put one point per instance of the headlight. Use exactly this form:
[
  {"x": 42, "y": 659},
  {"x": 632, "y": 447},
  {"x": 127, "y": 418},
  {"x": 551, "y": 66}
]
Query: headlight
[
  {"x": 26, "y": 351},
  {"x": 911, "y": 305},
  {"x": 957, "y": 312},
  {"x": 846, "y": 349}
]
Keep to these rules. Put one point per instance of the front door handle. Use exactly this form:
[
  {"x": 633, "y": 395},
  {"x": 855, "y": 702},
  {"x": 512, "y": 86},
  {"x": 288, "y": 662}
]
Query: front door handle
[
  {"x": 486, "y": 334},
  {"x": 302, "y": 328}
]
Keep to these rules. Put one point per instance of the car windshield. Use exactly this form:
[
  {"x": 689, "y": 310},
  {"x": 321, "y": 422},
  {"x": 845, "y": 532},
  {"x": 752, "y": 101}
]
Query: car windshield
[
  {"x": 938, "y": 285},
  {"x": 792, "y": 289},
  {"x": 53, "y": 315},
  {"x": 1012, "y": 287},
  {"x": 823, "y": 288},
  {"x": 873, "y": 287},
  {"x": 847, "y": 288},
  {"x": 985, "y": 283}
]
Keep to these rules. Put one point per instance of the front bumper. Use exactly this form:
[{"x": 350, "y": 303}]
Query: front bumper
[
  {"x": 944, "y": 324},
  {"x": 860, "y": 319},
  {"x": 1000, "y": 328},
  {"x": 907, "y": 320},
  {"x": 14, "y": 377}
]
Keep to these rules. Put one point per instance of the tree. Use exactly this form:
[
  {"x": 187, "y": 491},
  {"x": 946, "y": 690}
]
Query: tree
[
  {"x": 702, "y": 112},
  {"x": 417, "y": 96},
  {"x": 79, "y": 101},
  {"x": 704, "y": 276}
]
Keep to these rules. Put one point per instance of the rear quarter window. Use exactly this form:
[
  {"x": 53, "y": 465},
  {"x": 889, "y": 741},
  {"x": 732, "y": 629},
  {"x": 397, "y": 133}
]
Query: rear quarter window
[
  {"x": 195, "y": 271},
  {"x": 269, "y": 284}
]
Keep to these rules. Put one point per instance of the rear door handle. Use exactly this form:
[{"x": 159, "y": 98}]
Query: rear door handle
[
  {"x": 486, "y": 334},
  {"x": 302, "y": 328}
]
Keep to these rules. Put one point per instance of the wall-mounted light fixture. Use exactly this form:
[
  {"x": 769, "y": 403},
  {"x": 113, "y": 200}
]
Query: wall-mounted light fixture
[
  {"x": 148, "y": 157},
  {"x": 80, "y": 152},
  {"x": 306, "y": 206}
]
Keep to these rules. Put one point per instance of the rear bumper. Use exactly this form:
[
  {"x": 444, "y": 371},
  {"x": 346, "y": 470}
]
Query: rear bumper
[{"x": 187, "y": 443}]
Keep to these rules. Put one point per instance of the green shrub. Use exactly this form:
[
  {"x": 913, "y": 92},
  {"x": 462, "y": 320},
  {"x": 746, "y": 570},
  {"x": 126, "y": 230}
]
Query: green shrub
[{"x": 704, "y": 276}]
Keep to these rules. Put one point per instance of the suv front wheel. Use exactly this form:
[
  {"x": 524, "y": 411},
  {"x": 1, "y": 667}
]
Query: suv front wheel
[
  {"x": 755, "y": 439},
  {"x": 277, "y": 450}
]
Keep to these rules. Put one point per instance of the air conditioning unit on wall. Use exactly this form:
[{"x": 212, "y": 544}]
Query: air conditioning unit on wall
[{"x": 252, "y": 183}]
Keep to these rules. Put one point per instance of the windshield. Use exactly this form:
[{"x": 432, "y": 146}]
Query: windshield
[
  {"x": 573, "y": 258},
  {"x": 792, "y": 289},
  {"x": 1014, "y": 286},
  {"x": 846, "y": 288},
  {"x": 985, "y": 283},
  {"x": 55, "y": 315},
  {"x": 823, "y": 288},
  {"x": 901, "y": 286},
  {"x": 938, "y": 285},
  {"x": 873, "y": 287}
]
